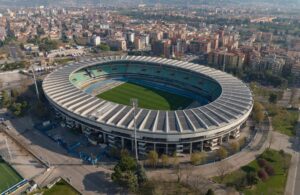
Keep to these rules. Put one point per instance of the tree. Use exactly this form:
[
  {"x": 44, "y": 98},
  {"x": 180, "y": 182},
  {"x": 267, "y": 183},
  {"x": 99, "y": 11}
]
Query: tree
[
  {"x": 48, "y": 45},
  {"x": 222, "y": 153},
  {"x": 273, "y": 98},
  {"x": 235, "y": 146},
  {"x": 6, "y": 99},
  {"x": 222, "y": 169},
  {"x": 141, "y": 174},
  {"x": 285, "y": 163},
  {"x": 262, "y": 174},
  {"x": 18, "y": 108},
  {"x": 175, "y": 160},
  {"x": 164, "y": 160},
  {"x": 104, "y": 47},
  {"x": 269, "y": 169},
  {"x": 210, "y": 192},
  {"x": 242, "y": 141},
  {"x": 152, "y": 158},
  {"x": 262, "y": 162},
  {"x": 178, "y": 172},
  {"x": 132, "y": 181},
  {"x": 258, "y": 113},
  {"x": 126, "y": 172},
  {"x": 251, "y": 178},
  {"x": 197, "y": 158}
]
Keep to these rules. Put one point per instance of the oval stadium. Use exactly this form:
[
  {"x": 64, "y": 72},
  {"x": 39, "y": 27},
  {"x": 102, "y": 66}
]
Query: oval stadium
[{"x": 181, "y": 106}]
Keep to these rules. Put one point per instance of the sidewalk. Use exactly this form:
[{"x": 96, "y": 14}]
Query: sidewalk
[{"x": 292, "y": 182}]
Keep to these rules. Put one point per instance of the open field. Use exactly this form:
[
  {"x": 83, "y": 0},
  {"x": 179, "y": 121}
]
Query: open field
[
  {"x": 147, "y": 97},
  {"x": 61, "y": 187},
  {"x": 8, "y": 176},
  {"x": 273, "y": 184}
]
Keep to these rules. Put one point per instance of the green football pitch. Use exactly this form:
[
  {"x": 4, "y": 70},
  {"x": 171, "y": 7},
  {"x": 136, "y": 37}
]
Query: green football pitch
[
  {"x": 8, "y": 176},
  {"x": 148, "y": 97}
]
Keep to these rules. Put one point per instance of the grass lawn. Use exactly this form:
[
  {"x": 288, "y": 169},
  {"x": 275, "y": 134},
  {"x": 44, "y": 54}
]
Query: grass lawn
[
  {"x": 8, "y": 176},
  {"x": 273, "y": 185},
  {"x": 61, "y": 188},
  {"x": 147, "y": 97},
  {"x": 285, "y": 121},
  {"x": 166, "y": 188}
]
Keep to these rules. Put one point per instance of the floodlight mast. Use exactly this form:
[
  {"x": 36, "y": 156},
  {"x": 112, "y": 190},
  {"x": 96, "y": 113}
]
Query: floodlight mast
[
  {"x": 134, "y": 103},
  {"x": 35, "y": 83}
]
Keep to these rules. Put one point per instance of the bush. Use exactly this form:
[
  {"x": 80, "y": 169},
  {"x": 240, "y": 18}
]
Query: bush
[
  {"x": 235, "y": 146},
  {"x": 222, "y": 153},
  {"x": 269, "y": 169},
  {"x": 152, "y": 158},
  {"x": 262, "y": 174},
  {"x": 165, "y": 160},
  {"x": 196, "y": 158},
  {"x": 251, "y": 178},
  {"x": 282, "y": 153},
  {"x": 262, "y": 162}
]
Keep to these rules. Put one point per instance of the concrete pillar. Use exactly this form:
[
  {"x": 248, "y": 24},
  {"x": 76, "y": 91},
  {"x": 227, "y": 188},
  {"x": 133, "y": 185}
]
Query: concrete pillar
[
  {"x": 202, "y": 143},
  {"x": 167, "y": 149},
  {"x": 221, "y": 140},
  {"x": 104, "y": 138},
  {"x": 154, "y": 146},
  {"x": 132, "y": 145},
  {"x": 191, "y": 148},
  {"x": 122, "y": 142}
]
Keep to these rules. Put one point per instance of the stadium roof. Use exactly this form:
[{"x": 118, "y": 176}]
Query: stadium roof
[{"x": 234, "y": 102}]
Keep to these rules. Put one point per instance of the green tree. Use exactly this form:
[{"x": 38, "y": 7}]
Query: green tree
[
  {"x": 152, "y": 158},
  {"x": 47, "y": 45},
  {"x": 222, "y": 153},
  {"x": 251, "y": 178},
  {"x": 104, "y": 47},
  {"x": 132, "y": 181},
  {"x": 6, "y": 99},
  {"x": 18, "y": 108},
  {"x": 273, "y": 98},
  {"x": 125, "y": 172},
  {"x": 141, "y": 174},
  {"x": 127, "y": 163}
]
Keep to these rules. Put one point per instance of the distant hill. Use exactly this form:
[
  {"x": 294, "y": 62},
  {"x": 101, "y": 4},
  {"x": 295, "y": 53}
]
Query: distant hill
[{"x": 67, "y": 3}]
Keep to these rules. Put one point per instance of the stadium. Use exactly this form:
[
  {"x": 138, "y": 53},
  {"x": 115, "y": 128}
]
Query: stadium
[{"x": 182, "y": 107}]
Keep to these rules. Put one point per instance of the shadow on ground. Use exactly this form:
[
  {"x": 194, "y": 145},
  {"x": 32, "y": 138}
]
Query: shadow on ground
[{"x": 105, "y": 185}]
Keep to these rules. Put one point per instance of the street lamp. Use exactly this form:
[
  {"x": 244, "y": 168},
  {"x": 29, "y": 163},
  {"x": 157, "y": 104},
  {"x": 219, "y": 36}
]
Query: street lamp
[{"x": 134, "y": 103}]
